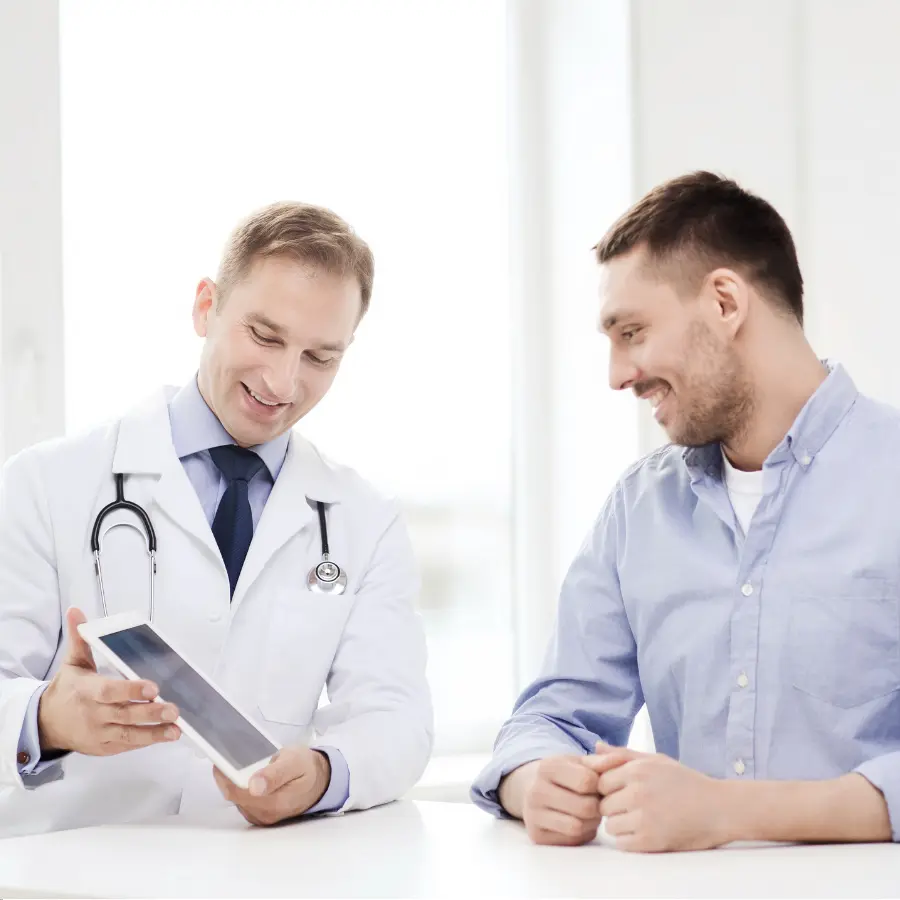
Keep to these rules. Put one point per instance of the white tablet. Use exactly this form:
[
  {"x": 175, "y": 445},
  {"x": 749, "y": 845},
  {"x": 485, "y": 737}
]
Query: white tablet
[{"x": 135, "y": 647}]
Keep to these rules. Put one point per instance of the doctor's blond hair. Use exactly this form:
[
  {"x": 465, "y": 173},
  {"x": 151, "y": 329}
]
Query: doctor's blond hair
[{"x": 308, "y": 234}]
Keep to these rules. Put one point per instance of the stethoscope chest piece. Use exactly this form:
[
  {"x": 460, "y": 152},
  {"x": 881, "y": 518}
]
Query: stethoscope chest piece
[{"x": 326, "y": 578}]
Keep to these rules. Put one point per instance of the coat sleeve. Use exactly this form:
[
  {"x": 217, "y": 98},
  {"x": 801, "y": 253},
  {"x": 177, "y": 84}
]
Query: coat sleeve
[
  {"x": 30, "y": 616},
  {"x": 379, "y": 714}
]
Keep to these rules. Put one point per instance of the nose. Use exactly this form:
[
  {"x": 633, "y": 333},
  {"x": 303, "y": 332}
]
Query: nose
[
  {"x": 282, "y": 376},
  {"x": 622, "y": 372}
]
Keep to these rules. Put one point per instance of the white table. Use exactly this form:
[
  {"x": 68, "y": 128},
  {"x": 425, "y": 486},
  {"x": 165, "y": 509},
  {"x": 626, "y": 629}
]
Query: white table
[{"x": 412, "y": 849}]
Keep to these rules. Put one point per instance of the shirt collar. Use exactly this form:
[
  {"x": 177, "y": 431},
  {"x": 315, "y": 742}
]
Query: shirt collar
[
  {"x": 815, "y": 423},
  {"x": 195, "y": 428}
]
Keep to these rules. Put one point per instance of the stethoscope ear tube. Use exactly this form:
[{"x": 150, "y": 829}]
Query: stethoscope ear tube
[
  {"x": 147, "y": 531},
  {"x": 326, "y": 577}
]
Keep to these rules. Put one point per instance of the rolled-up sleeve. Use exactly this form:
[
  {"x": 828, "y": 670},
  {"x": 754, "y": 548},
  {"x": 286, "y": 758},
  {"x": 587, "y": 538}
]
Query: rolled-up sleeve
[
  {"x": 884, "y": 773},
  {"x": 589, "y": 688}
]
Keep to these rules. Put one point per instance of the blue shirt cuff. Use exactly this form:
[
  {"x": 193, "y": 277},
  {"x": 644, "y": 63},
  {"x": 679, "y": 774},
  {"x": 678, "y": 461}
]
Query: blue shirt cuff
[
  {"x": 884, "y": 773},
  {"x": 29, "y": 738},
  {"x": 338, "y": 788}
]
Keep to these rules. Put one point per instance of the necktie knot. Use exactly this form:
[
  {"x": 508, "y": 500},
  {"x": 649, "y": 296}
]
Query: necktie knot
[{"x": 236, "y": 463}]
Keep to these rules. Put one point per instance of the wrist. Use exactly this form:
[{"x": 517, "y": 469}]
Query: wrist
[
  {"x": 513, "y": 787},
  {"x": 734, "y": 820},
  {"x": 323, "y": 774},
  {"x": 48, "y": 740}
]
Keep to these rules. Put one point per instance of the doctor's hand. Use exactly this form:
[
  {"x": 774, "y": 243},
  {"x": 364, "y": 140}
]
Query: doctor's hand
[
  {"x": 293, "y": 782},
  {"x": 85, "y": 712},
  {"x": 556, "y": 797},
  {"x": 653, "y": 803}
]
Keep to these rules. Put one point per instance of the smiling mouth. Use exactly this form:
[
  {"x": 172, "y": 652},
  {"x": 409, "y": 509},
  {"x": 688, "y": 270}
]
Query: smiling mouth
[
  {"x": 655, "y": 398},
  {"x": 263, "y": 402}
]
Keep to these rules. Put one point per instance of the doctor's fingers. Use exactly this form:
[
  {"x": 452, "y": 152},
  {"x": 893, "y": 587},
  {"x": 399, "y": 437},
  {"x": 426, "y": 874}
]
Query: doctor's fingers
[
  {"x": 119, "y": 738},
  {"x": 115, "y": 690},
  {"x": 286, "y": 766},
  {"x": 139, "y": 713},
  {"x": 256, "y": 810}
]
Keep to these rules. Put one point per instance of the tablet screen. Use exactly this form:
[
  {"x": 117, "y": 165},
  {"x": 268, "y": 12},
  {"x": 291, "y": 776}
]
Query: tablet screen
[{"x": 201, "y": 706}]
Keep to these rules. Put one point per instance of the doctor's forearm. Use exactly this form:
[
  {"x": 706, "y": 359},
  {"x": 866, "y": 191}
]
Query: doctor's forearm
[{"x": 837, "y": 810}]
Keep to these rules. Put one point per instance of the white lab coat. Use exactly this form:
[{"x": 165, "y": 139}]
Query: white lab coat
[{"x": 272, "y": 648}]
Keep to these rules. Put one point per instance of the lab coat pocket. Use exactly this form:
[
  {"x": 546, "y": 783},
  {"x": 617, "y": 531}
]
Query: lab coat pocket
[
  {"x": 844, "y": 642},
  {"x": 305, "y": 631}
]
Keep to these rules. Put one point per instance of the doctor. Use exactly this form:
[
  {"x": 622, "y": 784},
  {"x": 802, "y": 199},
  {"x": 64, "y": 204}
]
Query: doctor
[{"x": 233, "y": 496}]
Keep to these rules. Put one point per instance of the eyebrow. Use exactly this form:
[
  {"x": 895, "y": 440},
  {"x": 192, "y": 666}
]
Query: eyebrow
[
  {"x": 261, "y": 320},
  {"x": 610, "y": 322}
]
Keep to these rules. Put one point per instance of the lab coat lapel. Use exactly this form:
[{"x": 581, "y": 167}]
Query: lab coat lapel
[
  {"x": 144, "y": 447},
  {"x": 304, "y": 478}
]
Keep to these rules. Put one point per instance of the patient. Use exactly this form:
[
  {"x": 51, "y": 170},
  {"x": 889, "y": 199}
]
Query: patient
[{"x": 743, "y": 581}]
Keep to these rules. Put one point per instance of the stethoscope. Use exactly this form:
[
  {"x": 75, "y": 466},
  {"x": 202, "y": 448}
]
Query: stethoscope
[{"x": 326, "y": 577}]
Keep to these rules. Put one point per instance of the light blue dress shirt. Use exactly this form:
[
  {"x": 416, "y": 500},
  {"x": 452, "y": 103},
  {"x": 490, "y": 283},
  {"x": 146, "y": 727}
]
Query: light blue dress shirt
[
  {"x": 196, "y": 429},
  {"x": 770, "y": 656}
]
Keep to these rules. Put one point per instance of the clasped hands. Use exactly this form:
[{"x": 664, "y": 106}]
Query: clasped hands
[{"x": 651, "y": 802}]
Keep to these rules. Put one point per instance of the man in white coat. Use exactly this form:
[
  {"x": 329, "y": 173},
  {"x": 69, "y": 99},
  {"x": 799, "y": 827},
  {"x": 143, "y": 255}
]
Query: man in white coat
[{"x": 232, "y": 494}]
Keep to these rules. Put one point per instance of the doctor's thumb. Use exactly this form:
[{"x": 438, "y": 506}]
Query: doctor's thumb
[{"x": 79, "y": 652}]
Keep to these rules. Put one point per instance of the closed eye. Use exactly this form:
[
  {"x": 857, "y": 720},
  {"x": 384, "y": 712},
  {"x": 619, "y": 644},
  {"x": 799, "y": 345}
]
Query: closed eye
[
  {"x": 262, "y": 339},
  {"x": 322, "y": 362}
]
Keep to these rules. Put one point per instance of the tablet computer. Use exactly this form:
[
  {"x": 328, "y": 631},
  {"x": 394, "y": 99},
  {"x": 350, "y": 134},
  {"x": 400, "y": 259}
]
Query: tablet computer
[{"x": 134, "y": 647}]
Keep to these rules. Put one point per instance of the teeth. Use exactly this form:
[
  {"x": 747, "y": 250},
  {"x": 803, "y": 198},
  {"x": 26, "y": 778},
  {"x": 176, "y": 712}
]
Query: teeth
[
  {"x": 657, "y": 397},
  {"x": 259, "y": 399}
]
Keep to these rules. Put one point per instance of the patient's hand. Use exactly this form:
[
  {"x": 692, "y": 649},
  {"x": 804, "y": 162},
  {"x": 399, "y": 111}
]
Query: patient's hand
[
  {"x": 557, "y": 798},
  {"x": 653, "y": 803}
]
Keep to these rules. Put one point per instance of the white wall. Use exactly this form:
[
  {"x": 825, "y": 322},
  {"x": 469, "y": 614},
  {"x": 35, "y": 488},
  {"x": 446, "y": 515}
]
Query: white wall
[
  {"x": 800, "y": 101},
  {"x": 31, "y": 369},
  {"x": 570, "y": 175},
  {"x": 851, "y": 196}
]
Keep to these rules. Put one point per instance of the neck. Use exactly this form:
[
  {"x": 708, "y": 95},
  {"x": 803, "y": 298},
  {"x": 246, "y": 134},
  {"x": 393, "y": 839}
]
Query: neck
[{"x": 783, "y": 384}]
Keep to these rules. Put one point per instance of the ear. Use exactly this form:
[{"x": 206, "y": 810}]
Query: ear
[
  {"x": 204, "y": 302},
  {"x": 731, "y": 295}
]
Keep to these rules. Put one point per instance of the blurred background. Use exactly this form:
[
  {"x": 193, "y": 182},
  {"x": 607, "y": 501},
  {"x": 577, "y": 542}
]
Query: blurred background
[{"x": 481, "y": 147}]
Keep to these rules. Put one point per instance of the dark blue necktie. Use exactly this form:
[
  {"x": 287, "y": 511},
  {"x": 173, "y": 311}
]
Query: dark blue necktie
[{"x": 233, "y": 525}]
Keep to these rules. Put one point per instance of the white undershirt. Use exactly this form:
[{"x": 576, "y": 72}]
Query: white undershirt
[{"x": 745, "y": 490}]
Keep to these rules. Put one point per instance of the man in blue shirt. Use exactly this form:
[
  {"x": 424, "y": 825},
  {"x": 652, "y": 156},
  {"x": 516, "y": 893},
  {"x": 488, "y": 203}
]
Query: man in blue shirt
[{"x": 743, "y": 581}]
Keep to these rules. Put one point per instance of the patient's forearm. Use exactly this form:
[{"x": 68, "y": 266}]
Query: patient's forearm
[{"x": 838, "y": 810}]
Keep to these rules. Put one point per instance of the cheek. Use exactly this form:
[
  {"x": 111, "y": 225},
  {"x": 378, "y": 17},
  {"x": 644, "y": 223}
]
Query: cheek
[
  {"x": 318, "y": 382},
  {"x": 241, "y": 352}
]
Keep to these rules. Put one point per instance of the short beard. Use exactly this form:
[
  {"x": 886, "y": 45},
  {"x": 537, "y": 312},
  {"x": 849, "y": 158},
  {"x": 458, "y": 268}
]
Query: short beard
[{"x": 719, "y": 392}]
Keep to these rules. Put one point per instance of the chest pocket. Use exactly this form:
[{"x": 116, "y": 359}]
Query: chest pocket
[
  {"x": 844, "y": 641},
  {"x": 305, "y": 631}
]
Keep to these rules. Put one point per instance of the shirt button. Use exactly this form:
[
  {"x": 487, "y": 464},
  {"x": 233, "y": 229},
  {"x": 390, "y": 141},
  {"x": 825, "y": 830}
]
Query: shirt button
[
  {"x": 739, "y": 766},
  {"x": 215, "y": 616},
  {"x": 747, "y": 589},
  {"x": 743, "y": 680},
  {"x": 23, "y": 758},
  {"x": 805, "y": 460}
]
